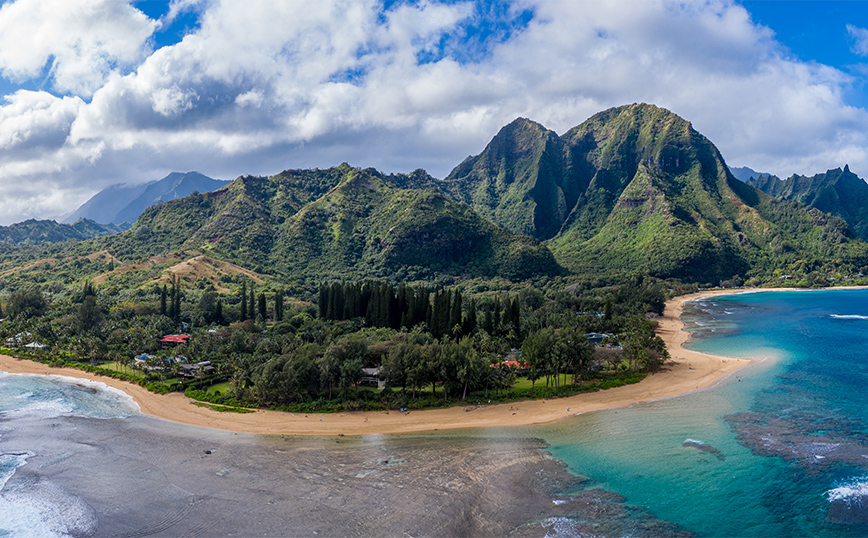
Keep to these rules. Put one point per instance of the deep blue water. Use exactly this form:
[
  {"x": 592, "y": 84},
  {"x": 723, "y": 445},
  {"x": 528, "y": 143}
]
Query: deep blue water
[{"x": 779, "y": 449}]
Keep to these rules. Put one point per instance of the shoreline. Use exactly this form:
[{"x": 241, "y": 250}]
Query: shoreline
[{"x": 684, "y": 372}]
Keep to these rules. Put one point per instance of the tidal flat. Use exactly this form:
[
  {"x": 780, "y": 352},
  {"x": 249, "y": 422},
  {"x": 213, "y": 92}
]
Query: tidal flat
[{"x": 141, "y": 476}]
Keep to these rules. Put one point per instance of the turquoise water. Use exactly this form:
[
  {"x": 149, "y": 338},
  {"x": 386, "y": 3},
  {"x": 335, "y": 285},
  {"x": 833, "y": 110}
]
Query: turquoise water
[{"x": 778, "y": 449}]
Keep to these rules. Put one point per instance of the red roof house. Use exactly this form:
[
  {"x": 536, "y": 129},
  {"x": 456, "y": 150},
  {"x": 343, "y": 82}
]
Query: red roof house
[{"x": 172, "y": 340}]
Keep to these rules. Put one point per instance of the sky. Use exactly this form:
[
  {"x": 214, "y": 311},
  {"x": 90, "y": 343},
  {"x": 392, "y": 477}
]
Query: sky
[{"x": 100, "y": 92}]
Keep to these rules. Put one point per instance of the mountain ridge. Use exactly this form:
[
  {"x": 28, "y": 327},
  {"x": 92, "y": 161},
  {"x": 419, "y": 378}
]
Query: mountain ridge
[
  {"x": 633, "y": 189},
  {"x": 121, "y": 203},
  {"x": 838, "y": 192}
]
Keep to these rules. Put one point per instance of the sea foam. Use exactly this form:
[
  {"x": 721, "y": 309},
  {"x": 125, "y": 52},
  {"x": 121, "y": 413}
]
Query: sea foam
[
  {"x": 850, "y": 492},
  {"x": 847, "y": 316},
  {"x": 26, "y": 517},
  {"x": 44, "y": 397}
]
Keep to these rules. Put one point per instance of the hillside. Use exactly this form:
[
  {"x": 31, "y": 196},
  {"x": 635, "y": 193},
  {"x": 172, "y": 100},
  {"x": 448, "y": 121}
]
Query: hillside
[
  {"x": 636, "y": 188},
  {"x": 332, "y": 224},
  {"x": 124, "y": 203},
  {"x": 837, "y": 192}
]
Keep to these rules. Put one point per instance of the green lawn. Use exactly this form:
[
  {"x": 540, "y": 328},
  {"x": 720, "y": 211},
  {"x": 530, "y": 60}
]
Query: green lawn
[
  {"x": 118, "y": 367},
  {"x": 220, "y": 388}
]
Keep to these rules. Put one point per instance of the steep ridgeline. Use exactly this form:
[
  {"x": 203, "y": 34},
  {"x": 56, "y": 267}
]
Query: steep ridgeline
[
  {"x": 636, "y": 188},
  {"x": 36, "y": 232},
  {"x": 337, "y": 222},
  {"x": 124, "y": 203},
  {"x": 837, "y": 192}
]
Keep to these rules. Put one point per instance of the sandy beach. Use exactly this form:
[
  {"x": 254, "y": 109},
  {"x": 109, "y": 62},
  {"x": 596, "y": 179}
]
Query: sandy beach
[{"x": 686, "y": 371}]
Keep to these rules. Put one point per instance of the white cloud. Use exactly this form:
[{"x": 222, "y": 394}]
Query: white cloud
[
  {"x": 262, "y": 86},
  {"x": 79, "y": 42},
  {"x": 35, "y": 120},
  {"x": 860, "y": 37}
]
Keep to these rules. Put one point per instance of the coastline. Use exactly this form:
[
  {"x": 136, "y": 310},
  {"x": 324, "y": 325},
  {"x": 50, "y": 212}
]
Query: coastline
[{"x": 684, "y": 372}]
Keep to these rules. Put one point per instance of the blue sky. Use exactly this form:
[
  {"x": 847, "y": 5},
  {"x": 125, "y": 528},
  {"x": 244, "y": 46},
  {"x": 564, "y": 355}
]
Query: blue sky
[
  {"x": 99, "y": 92},
  {"x": 816, "y": 31}
]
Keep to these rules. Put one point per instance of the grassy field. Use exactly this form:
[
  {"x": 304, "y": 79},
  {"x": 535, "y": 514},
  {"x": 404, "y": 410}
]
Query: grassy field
[{"x": 118, "y": 367}]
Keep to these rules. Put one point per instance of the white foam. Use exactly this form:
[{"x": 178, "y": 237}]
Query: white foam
[
  {"x": 27, "y": 517},
  {"x": 849, "y": 492},
  {"x": 694, "y": 441},
  {"x": 8, "y": 464},
  {"x": 562, "y": 527},
  {"x": 848, "y": 316},
  {"x": 44, "y": 409}
]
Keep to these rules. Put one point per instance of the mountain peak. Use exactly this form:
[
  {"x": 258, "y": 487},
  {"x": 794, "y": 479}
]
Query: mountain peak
[{"x": 124, "y": 203}]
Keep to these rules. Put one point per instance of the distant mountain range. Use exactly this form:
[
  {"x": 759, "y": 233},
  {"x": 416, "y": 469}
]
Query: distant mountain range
[
  {"x": 745, "y": 174},
  {"x": 837, "y": 192},
  {"x": 36, "y": 232},
  {"x": 124, "y": 203},
  {"x": 633, "y": 189}
]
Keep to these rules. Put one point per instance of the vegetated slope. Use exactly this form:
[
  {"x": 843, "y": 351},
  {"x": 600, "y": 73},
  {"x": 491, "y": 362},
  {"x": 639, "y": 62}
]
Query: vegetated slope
[
  {"x": 34, "y": 232},
  {"x": 124, "y": 203},
  {"x": 636, "y": 188},
  {"x": 837, "y": 192},
  {"x": 337, "y": 222}
]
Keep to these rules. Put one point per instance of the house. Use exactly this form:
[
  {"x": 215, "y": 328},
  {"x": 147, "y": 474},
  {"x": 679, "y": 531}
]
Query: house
[
  {"x": 372, "y": 375},
  {"x": 172, "y": 340},
  {"x": 596, "y": 338},
  {"x": 141, "y": 360},
  {"x": 36, "y": 346},
  {"x": 18, "y": 340},
  {"x": 197, "y": 369}
]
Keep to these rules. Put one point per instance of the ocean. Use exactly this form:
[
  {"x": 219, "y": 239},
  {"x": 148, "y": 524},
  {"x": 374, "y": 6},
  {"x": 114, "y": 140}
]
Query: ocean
[{"x": 777, "y": 449}]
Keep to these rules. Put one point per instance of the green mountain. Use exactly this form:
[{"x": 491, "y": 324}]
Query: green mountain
[
  {"x": 837, "y": 192},
  {"x": 335, "y": 223},
  {"x": 632, "y": 189},
  {"x": 34, "y": 232},
  {"x": 636, "y": 188}
]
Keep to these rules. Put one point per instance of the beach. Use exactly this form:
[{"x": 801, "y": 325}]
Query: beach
[{"x": 685, "y": 371}]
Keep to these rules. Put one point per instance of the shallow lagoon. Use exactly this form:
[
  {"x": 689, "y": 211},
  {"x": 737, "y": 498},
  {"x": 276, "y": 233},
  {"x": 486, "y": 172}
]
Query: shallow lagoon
[{"x": 779, "y": 449}]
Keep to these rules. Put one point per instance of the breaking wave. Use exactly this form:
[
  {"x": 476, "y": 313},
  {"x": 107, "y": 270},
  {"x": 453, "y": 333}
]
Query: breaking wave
[{"x": 849, "y": 492}]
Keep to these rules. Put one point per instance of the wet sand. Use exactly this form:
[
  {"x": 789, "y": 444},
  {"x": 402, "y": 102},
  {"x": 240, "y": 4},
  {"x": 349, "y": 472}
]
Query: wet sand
[
  {"x": 144, "y": 477},
  {"x": 684, "y": 372}
]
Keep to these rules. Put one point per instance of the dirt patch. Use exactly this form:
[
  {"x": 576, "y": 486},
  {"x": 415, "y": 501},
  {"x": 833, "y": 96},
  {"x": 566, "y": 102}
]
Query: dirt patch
[{"x": 205, "y": 267}]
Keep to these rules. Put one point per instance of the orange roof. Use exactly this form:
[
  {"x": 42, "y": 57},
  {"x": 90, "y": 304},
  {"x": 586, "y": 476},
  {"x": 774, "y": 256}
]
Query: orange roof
[
  {"x": 516, "y": 364},
  {"x": 175, "y": 338}
]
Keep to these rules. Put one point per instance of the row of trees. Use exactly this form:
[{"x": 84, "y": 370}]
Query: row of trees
[{"x": 442, "y": 312}]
